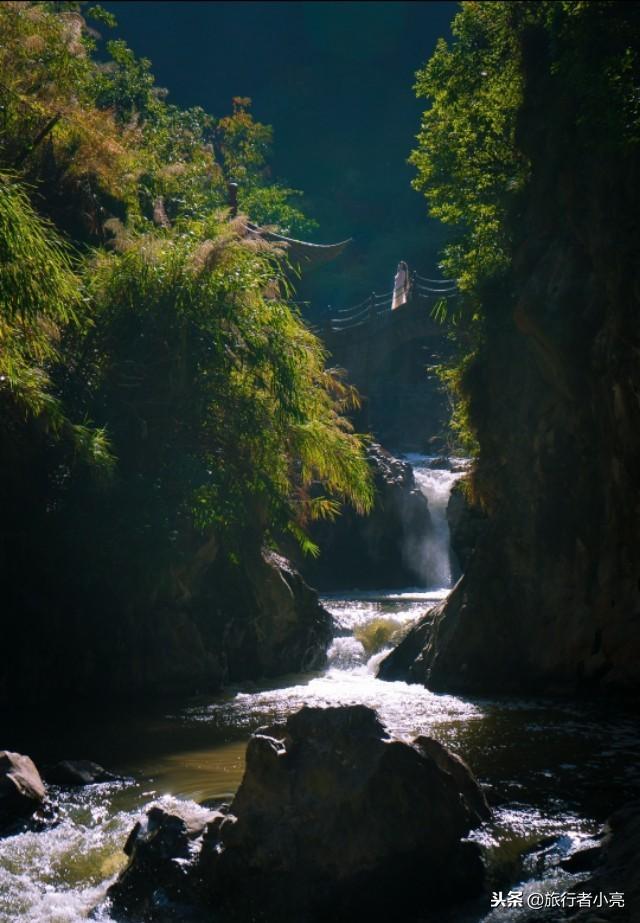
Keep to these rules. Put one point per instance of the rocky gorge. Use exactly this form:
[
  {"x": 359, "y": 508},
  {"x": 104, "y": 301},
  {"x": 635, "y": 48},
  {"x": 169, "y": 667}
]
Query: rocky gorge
[
  {"x": 550, "y": 599},
  {"x": 289, "y": 737},
  {"x": 333, "y": 805}
]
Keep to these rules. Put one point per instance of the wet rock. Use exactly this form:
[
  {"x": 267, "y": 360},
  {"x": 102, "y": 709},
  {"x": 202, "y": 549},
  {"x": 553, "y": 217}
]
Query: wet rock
[
  {"x": 465, "y": 524},
  {"x": 441, "y": 462},
  {"x": 22, "y": 791},
  {"x": 405, "y": 660},
  {"x": 156, "y": 882},
  {"x": 618, "y": 870},
  {"x": 373, "y": 551},
  {"x": 455, "y": 766},
  {"x": 582, "y": 860},
  {"x": 274, "y": 623},
  {"x": 77, "y": 772},
  {"x": 614, "y": 866},
  {"x": 334, "y": 819}
]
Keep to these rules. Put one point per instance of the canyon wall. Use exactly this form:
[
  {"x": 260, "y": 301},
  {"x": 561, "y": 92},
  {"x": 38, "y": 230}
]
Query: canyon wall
[{"x": 551, "y": 597}]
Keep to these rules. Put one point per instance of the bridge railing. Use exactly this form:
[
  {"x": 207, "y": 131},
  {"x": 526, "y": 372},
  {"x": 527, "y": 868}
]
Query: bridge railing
[{"x": 376, "y": 309}]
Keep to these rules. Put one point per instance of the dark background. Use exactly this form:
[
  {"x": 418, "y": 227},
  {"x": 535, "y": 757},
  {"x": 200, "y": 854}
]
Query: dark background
[{"x": 335, "y": 80}]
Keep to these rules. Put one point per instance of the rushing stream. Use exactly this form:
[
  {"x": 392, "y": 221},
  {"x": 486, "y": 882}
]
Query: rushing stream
[{"x": 553, "y": 770}]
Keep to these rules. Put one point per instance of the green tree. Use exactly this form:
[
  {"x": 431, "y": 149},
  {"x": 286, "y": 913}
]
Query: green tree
[
  {"x": 168, "y": 327},
  {"x": 471, "y": 163},
  {"x": 244, "y": 146},
  {"x": 467, "y": 163},
  {"x": 215, "y": 393}
]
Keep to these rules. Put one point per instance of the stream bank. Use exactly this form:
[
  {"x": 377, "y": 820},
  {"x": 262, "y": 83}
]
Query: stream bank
[{"x": 211, "y": 622}]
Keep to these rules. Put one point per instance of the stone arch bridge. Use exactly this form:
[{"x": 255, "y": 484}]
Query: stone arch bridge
[{"x": 387, "y": 343}]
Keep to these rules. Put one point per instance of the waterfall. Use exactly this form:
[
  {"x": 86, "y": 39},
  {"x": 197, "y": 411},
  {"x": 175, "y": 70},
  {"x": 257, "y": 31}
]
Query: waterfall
[
  {"x": 430, "y": 553},
  {"x": 370, "y": 622}
]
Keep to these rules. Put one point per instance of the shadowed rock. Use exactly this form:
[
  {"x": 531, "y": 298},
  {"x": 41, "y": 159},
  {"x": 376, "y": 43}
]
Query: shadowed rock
[
  {"x": 334, "y": 819},
  {"x": 372, "y": 551},
  {"x": 466, "y": 523},
  {"x": 77, "y": 772},
  {"x": 618, "y": 870},
  {"x": 405, "y": 661},
  {"x": 456, "y": 767},
  {"x": 161, "y": 848}
]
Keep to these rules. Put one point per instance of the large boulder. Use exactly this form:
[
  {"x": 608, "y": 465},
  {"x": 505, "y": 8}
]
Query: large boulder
[
  {"x": 22, "y": 791},
  {"x": 378, "y": 549},
  {"x": 334, "y": 819},
  {"x": 228, "y": 617},
  {"x": 271, "y": 622}
]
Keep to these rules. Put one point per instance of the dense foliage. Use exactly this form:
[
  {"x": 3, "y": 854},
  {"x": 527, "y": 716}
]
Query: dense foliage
[
  {"x": 471, "y": 163},
  {"x": 116, "y": 142},
  {"x": 40, "y": 298},
  {"x": 157, "y": 386}
]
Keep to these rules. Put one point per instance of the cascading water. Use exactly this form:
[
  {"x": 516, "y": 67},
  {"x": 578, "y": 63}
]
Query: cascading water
[
  {"x": 429, "y": 554},
  {"x": 546, "y": 762}
]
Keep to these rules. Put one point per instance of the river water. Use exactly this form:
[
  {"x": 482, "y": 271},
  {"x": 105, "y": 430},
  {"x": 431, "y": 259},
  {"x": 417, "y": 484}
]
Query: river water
[{"x": 553, "y": 770}]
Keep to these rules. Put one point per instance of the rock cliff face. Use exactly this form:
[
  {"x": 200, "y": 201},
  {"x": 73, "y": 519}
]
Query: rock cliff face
[
  {"x": 334, "y": 820},
  {"x": 373, "y": 551},
  {"x": 272, "y": 622},
  {"x": 551, "y": 596},
  {"x": 466, "y": 522}
]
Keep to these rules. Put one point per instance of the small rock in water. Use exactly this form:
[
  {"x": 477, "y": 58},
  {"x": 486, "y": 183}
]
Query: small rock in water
[
  {"x": 22, "y": 790},
  {"x": 582, "y": 860},
  {"x": 78, "y": 772},
  {"x": 160, "y": 848},
  {"x": 440, "y": 463}
]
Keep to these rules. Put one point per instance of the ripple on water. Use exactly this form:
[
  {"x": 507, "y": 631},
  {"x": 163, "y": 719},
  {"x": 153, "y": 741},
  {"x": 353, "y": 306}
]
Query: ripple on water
[{"x": 57, "y": 875}]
